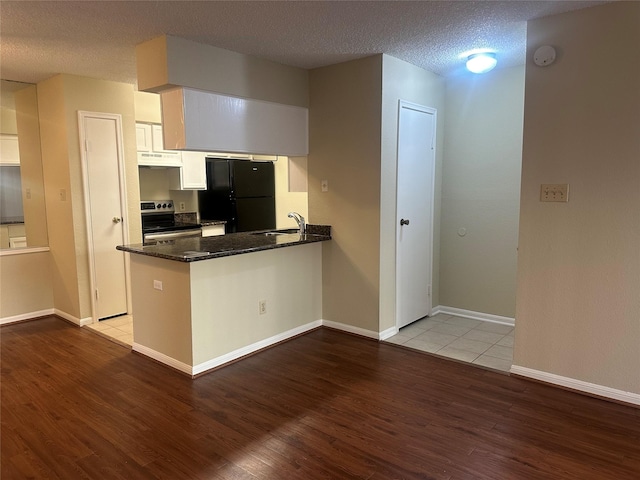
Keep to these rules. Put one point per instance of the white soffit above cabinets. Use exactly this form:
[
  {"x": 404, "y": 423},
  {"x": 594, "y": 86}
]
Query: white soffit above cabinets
[{"x": 97, "y": 38}]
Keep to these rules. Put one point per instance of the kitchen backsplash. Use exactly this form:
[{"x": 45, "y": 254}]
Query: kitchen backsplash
[{"x": 187, "y": 217}]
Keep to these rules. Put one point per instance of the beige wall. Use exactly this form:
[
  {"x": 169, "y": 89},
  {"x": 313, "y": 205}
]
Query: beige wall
[
  {"x": 55, "y": 165},
  {"x": 169, "y": 61},
  {"x": 344, "y": 148},
  {"x": 59, "y": 100},
  {"x": 230, "y": 288},
  {"x": 154, "y": 185},
  {"x": 217, "y": 312},
  {"x": 481, "y": 191},
  {"x": 403, "y": 81},
  {"x": 287, "y": 201},
  {"x": 8, "y": 121},
  {"x": 578, "y": 302},
  {"x": 25, "y": 280},
  {"x": 33, "y": 202},
  {"x": 147, "y": 107}
]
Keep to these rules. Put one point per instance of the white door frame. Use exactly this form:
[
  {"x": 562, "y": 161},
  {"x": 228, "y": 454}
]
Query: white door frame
[
  {"x": 430, "y": 110},
  {"x": 87, "y": 202}
]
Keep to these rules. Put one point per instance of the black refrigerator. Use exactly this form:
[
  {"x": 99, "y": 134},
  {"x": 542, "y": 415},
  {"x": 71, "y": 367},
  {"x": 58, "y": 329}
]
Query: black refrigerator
[{"x": 241, "y": 192}]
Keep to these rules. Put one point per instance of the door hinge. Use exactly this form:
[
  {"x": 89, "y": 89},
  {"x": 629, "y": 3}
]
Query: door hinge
[
  {"x": 429, "y": 291},
  {"x": 86, "y": 146},
  {"x": 97, "y": 296}
]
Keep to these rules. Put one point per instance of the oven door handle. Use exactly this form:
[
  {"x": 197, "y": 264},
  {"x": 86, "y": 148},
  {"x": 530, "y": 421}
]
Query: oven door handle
[{"x": 170, "y": 235}]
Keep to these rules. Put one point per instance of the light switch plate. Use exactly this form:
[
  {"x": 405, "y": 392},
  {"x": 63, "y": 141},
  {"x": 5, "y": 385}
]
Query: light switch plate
[
  {"x": 324, "y": 184},
  {"x": 554, "y": 192}
]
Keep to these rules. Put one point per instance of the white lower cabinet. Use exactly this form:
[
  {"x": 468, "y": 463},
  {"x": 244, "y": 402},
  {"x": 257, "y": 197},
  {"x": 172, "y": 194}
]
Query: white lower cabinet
[{"x": 212, "y": 230}]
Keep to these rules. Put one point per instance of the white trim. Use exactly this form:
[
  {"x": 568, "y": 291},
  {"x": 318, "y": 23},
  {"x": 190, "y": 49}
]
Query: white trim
[
  {"x": 226, "y": 358},
  {"x": 579, "y": 385},
  {"x": 485, "y": 317},
  {"x": 78, "y": 321},
  {"x": 162, "y": 358},
  {"x": 254, "y": 347},
  {"x": 350, "y": 329},
  {"x": 82, "y": 115},
  {"x": 388, "y": 333},
  {"x": 22, "y": 251},
  {"x": 249, "y": 349},
  {"x": 26, "y": 316}
]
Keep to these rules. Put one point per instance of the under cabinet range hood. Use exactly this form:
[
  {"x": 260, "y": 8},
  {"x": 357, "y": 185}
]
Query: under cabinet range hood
[
  {"x": 206, "y": 121},
  {"x": 150, "y": 158}
]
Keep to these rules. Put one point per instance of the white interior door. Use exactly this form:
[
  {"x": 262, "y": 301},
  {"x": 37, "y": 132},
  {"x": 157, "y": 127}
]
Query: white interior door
[
  {"x": 414, "y": 211},
  {"x": 104, "y": 196}
]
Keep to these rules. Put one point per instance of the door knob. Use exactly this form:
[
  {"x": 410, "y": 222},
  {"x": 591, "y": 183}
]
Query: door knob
[
  {"x": 116, "y": 220},
  {"x": 404, "y": 222}
]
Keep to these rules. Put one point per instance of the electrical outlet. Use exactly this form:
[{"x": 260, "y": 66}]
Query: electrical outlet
[
  {"x": 324, "y": 185},
  {"x": 182, "y": 206},
  {"x": 157, "y": 284},
  {"x": 262, "y": 307},
  {"x": 556, "y": 192}
]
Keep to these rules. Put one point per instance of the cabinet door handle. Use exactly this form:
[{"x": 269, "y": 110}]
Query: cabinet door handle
[
  {"x": 116, "y": 220},
  {"x": 404, "y": 222}
]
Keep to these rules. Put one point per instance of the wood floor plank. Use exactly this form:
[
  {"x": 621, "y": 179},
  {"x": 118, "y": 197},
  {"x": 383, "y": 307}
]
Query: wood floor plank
[{"x": 325, "y": 405}]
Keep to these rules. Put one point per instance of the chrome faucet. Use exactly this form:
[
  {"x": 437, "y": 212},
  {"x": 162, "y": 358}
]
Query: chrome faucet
[{"x": 299, "y": 220}]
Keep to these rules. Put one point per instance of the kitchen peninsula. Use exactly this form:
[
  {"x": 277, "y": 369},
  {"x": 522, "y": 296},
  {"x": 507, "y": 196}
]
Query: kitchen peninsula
[{"x": 201, "y": 302}]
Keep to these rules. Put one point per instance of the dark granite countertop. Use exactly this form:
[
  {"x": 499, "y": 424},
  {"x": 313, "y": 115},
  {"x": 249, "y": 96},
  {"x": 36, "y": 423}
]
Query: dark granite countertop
[
  {"x": 191, "y": 249},
  {"x": 12, "y": 220}
]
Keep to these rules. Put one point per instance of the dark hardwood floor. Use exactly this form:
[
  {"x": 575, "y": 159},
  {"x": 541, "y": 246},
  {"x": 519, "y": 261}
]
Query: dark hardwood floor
[{"x": 324, "y": 405}]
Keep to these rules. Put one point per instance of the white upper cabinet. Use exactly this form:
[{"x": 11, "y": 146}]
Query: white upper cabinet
[
  {"x": 143, "y": 137},
  {"x": 151, "y": 150},
  {"x": 205, "y": 121},
  {"x": 192, "y": 175},
  {"x": 158, "y": 141}
]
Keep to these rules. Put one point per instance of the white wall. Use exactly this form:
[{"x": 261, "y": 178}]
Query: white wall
[
  {"x": 578, "y": 301},
  {"x": 481, "y": 191}
]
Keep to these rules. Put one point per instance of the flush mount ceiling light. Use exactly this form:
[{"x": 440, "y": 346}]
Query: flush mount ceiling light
[{"x": 481, "y": 62}]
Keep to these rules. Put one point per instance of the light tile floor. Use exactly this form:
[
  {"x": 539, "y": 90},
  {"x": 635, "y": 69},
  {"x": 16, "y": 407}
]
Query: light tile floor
[
  {"x": 474, "y": 341},
  {"x": 117, "y": 329}
]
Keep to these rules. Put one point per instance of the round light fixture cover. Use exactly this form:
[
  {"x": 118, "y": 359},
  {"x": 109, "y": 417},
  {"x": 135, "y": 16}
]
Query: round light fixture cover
[
  {"x": 544, "y": 56},
  {"x": 481, "y": 62}
]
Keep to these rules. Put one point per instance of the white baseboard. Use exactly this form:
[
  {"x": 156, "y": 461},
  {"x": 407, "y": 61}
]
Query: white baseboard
[
  {"x": 485, "y": 317},
  {"x": 78, "y": 321},
  {"x": 249, "y": 349},
  {"x": 26, "y": 316},
  {"x": 254, "y": 347},
  {"x": 388, "y": 333},
  {"x": 162, "y": 358},
  {"x": 579, "y": 385},
  {"x": 351, "y": 329},
  {"x": 226, "y": 358}
]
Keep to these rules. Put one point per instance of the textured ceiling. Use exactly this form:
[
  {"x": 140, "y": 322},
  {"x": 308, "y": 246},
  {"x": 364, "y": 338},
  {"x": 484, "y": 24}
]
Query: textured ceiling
[{"x": 97, "y": 39}]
